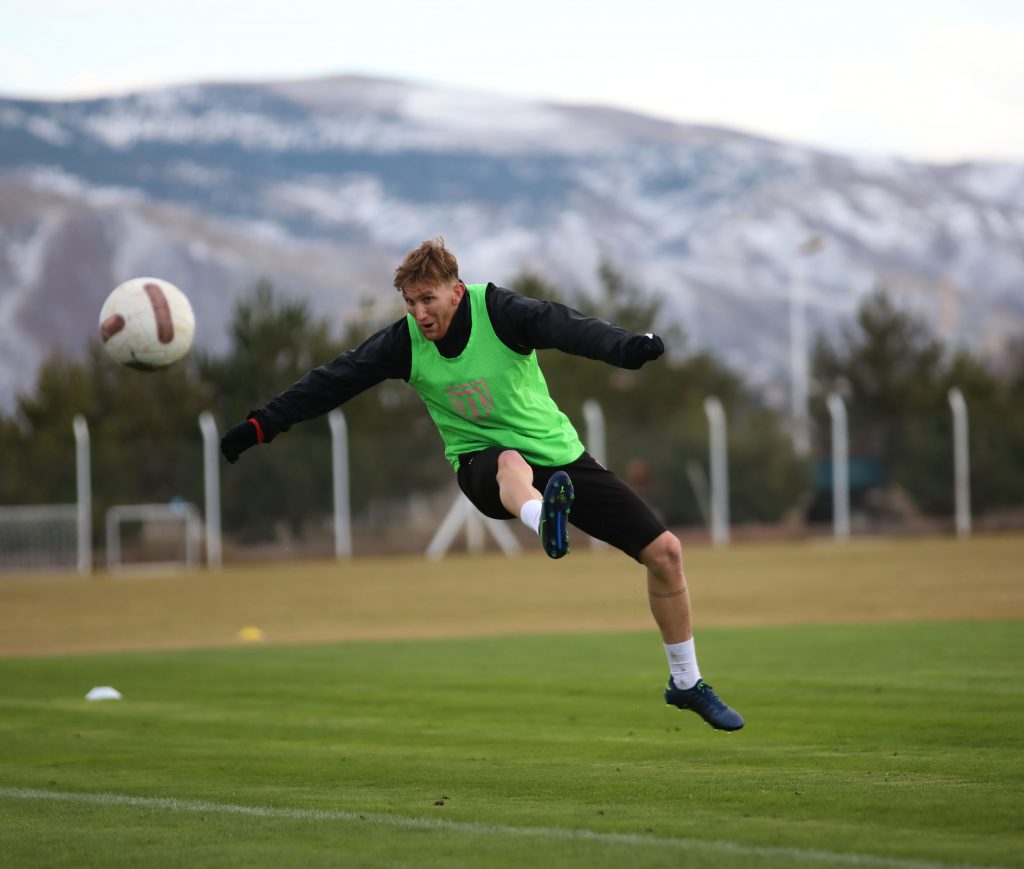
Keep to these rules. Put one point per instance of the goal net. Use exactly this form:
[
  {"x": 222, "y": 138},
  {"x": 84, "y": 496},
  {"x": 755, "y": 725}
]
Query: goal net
[
  {"x": 38, "y": 537},
  {"x": 153, "y": 536}
]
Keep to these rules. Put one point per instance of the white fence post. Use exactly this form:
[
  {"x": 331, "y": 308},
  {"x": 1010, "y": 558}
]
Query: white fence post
[
  {"x": 342, "y": 500},
  {"x": 594, "y": 418},
  {"x": 840, "y": 468},
  {"x": 596, "y": 444},
  {"x": 211, "y": 486},
  {"x": 961, "y": 462},
  {"x": 719, "y": 471},
  {"x": 84, "y": 480}
]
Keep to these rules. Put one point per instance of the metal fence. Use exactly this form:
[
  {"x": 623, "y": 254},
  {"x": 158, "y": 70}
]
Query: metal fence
[{"x": 432, "y": 516}]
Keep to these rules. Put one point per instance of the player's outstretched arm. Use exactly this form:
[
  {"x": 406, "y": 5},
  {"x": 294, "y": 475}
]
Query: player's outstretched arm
[
  {"x": 525, "y": 324},
  {"x": 386, "y": 354}
]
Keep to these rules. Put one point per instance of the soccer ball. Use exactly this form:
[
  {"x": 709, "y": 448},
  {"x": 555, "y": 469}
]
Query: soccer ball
[{"x": 147, "y": 323}]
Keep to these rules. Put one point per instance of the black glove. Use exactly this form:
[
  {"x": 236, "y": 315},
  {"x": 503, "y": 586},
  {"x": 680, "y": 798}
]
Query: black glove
[
  {"x": 642, "y": 348},
  {"x": 239, "y": 438}
]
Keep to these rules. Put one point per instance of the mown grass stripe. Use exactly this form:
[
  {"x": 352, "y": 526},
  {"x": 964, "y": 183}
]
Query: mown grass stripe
[{"x": 804, "y": 855}]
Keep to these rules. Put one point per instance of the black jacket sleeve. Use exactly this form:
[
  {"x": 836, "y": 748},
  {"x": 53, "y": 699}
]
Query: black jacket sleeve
[
  {"x": 526, "y": 324},
  {"x": 384, "y": 355}
]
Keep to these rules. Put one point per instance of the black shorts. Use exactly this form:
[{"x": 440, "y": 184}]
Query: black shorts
[{"x": 605, "y": 507}]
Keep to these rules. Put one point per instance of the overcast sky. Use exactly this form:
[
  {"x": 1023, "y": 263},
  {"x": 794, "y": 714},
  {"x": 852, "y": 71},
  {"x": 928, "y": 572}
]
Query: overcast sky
[{"x": 939, "y": 80}]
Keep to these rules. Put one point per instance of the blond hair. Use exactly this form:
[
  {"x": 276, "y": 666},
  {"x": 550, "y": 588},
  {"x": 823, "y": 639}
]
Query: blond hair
[{"x": 429, "y": 264}]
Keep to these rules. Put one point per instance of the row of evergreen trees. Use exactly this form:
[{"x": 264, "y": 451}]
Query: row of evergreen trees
[{"x": 892, "y": 370}]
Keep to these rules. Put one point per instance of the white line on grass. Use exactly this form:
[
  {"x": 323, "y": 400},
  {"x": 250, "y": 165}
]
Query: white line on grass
[{"x": 735, "y": 848}]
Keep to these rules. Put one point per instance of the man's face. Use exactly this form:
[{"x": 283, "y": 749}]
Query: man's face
[{"x": 433, "y": 306}]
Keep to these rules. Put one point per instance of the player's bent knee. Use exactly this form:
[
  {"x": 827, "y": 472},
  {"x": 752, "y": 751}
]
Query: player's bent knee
[
  {"x": 664, "y": 553},
  {"x": 510, "y": 460}
]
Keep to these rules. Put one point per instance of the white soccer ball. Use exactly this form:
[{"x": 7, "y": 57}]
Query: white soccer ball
[{"x": 147, "y": 323}]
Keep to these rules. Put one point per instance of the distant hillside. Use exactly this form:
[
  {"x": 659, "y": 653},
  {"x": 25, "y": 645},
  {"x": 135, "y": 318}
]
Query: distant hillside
[{"x": 320, "y": 186}]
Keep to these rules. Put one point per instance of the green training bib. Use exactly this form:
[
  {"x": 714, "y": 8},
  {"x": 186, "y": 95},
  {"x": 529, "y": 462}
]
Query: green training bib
[{"x": 489, "y": 395}]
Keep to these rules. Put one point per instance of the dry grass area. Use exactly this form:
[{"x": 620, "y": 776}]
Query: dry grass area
[{"x": 298, "y": 602}]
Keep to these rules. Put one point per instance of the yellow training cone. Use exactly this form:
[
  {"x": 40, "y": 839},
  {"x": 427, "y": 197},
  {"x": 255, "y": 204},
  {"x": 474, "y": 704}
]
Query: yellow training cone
[{"x": 250, "y": 634}]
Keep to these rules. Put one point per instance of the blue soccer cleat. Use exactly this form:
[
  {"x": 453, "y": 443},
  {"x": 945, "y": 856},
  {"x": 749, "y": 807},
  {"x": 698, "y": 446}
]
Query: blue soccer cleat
[
  {"x": 554, "y": 517},
  {"x": 705, "y": 702}
]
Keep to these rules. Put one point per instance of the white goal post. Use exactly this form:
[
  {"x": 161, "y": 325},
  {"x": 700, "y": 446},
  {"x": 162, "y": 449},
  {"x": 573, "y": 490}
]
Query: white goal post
[{"x": 185, "y": 546}]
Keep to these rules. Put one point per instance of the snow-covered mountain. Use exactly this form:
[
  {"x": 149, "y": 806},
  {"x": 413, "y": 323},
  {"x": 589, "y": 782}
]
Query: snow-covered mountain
[{"x": 322, "y": 185}]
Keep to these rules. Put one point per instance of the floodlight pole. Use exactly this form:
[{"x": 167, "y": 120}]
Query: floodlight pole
[
  {"x": 211, "y": 486},
  {"x": 340, "y": 476},
  {"x": 961, "y": 462},
  {"x": 840, "y": 468},
  {"x": 594, "y": 418},
  {"x": 799, "y": 366},
  {"x": 84, "y": 484},
  {"x": 719, "y": 471}
]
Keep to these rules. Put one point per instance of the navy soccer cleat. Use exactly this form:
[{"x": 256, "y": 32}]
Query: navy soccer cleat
[
  {"x": 554, "y": 517},
  {"x": 705, "y": 702}
]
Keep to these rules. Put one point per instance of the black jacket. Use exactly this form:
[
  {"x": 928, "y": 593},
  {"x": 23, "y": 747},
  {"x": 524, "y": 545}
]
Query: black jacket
[{"x": 521, "y": 323}]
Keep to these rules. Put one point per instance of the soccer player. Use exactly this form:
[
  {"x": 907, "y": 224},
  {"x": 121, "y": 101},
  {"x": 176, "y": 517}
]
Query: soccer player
[{"x": 469, "y": 351}]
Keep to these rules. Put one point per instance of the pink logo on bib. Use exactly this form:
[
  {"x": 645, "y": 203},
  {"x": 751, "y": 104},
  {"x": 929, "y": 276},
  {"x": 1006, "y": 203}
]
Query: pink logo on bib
[{"x": 471, "y": 400}]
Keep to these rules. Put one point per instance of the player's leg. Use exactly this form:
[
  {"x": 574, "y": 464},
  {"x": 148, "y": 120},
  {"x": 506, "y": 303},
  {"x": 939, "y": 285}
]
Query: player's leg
[
  {"x": 547, "y": 514},
  {"x": 667, "y": 593},
  {"x": 670, "y": 605},
  {"x": 515, "y": 482},
  {"x": 611, "y": 511},
  {"x": 501, "y": 484}
]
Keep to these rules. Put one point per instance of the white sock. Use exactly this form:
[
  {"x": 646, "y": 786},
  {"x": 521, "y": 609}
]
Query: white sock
[
  {"x": 530, "y": 514},
  {"x": 682, "y": 663}
]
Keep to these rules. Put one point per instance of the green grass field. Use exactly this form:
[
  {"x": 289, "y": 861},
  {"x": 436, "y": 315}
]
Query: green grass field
[
  {"x": 895, "y": 741},
  {"x": 877, "y": 744}
]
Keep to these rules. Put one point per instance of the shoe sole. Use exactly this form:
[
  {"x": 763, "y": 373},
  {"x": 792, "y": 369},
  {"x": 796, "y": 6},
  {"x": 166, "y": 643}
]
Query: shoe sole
[{"x": 558, "y": 498}]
